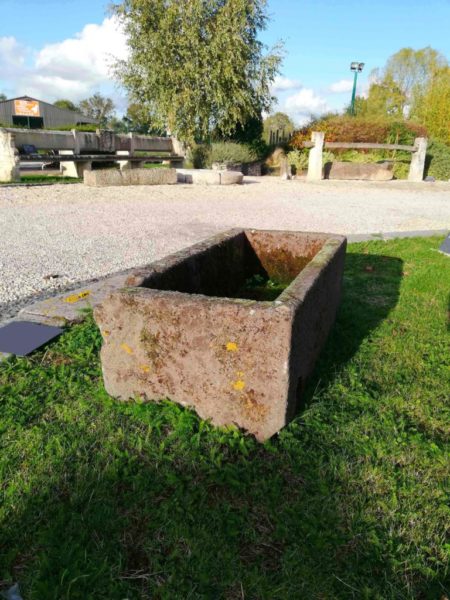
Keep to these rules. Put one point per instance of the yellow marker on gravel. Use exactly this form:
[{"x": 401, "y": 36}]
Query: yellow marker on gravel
[{"x": 77, "y": 297}]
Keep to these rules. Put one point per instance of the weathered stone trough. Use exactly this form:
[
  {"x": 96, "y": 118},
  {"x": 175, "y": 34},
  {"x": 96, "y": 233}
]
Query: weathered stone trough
[{"x": 197, "y": 327}]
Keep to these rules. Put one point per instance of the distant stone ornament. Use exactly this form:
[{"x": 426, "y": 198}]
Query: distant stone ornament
[{"x": 445, "y": 246}]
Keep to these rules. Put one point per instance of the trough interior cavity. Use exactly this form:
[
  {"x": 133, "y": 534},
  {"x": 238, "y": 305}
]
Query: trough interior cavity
[{"x": 256, "y": 265}]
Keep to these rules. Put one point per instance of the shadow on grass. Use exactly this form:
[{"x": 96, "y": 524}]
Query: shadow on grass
[
  {"x": 144, "y": 501},
  {"x": 370, "y": 291}
]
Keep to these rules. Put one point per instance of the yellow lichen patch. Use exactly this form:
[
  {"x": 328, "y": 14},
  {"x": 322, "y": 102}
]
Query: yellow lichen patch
[
  {"x": 240, "y": 374},
  {"x": 232, "y": 347},
  {"x": 126, "y": 348},
  {"x": 239, "y": 385},
  {"x": 77, "y": 297},
  {"x": 106, "y": 333},
  {"x": 144, "y": 368}
]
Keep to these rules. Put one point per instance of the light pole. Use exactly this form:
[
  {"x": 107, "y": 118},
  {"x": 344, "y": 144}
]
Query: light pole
[{"x": 356, "y": 67}]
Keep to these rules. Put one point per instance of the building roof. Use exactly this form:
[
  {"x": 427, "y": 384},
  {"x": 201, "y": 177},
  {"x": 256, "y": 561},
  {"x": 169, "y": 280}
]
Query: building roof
[{"x": 53, "y": 107}]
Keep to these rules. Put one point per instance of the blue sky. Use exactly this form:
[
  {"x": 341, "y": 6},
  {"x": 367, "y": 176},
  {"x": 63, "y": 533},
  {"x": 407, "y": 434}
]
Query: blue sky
[{"x": 59, "y": 48}]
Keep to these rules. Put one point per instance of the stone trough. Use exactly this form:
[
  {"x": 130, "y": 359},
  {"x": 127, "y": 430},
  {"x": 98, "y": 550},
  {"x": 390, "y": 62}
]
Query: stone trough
[{"x": 231, "y": 326}]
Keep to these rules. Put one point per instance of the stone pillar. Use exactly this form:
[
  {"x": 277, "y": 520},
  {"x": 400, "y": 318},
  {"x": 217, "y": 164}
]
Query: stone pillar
[
  {"x": 124, "y": 164},
  {"x": 178, "y": 147},
  {"x": 74, "y": 169},
  {"x": 132, "y": 137},
  {"x": 417, "y": 166},
  {"x": 315, "y": 156},
  {"x": 9, "y": 159},
  {"x": 77, "y": 141},
  {"x": 106, "y": 140},
  {"x": 285, "y": 168}
]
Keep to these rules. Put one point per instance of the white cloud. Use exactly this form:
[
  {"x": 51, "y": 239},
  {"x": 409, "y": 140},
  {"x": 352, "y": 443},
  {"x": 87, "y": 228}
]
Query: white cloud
[
  {"x": 284, "y": 84},
  {"x": 73, "y": 68},
  {"x": 342, "y": 86},
  {"x": 303, "y": 104},
  {"x": 12, "y": 54}
]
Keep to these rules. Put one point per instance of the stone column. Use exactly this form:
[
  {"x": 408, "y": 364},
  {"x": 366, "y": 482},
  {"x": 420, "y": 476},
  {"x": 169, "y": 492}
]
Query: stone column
[
  {"x": 74, "y": 169},
  {"x": 9, "y": 159},
  {"x": 124, "y": 164},
  {"x": 315, "y": 156},
  {"x": 417, "y": 166},
  {"x": 285, "y": 168},
  {"x": 178, "y": 148}
]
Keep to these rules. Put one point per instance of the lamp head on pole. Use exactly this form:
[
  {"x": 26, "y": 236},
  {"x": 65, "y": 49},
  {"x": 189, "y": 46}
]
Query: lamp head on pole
[{"x": 356, "y": 66}]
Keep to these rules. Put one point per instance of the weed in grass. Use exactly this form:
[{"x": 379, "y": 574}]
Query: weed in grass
[{"x": 109, "y": 500}]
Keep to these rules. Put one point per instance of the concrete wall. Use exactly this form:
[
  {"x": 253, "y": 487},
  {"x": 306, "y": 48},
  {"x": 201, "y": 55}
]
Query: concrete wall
[{"x": 102, "y": 140}]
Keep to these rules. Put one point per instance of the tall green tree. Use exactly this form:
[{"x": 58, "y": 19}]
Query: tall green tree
[
  {"x": 433, "y": 110},
  {"x": 99, "y": 108},
  {"x": 278, "y": 122},
  {"x": 3, "y": 97},
  {"x": 65, "y": 104},
  {"x": 399, "y": 87},
  {"x": 198, "y": 65}
]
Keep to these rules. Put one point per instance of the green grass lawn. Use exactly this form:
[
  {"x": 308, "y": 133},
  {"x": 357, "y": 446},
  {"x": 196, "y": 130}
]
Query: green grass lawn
[
  {"x": 44, "y": 179},
  {"x": 106, "y": 500}
]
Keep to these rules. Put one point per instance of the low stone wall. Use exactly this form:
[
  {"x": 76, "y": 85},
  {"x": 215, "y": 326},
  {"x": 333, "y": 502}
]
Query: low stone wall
[{"x": 108, "y": 177}]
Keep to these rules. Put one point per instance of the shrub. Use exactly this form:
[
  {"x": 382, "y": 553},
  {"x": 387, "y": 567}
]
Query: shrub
[
  {"x": 231, "y": 152},
  {"x": 437, "y": 163},
  {"x": 401, "y": 169},
  {"x": 298, "y": 159},
  {"x": 87, "y": 127},
  {"x": 198, "y": 156},
  {"x": 359, "y": 129}
]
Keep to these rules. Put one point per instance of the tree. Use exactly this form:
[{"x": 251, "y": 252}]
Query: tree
[
  {"x": 3, "y": 97},
  {"x": 140, "y": 120},
  {"x": 433, "y": 110},
  {"x": 279, "y": 122},
  {"x": 398, "y": 88},
  {"x": 66, "y": 105},
  {"x": 385, "y": 98},
  {"x": 197, "y": 66},
  {"x": 98, "y": 107}
]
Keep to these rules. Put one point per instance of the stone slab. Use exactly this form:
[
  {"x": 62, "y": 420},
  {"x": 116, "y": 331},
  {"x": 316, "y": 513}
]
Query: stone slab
[
  {"x": 23, "y": 337},
  {"x": 67, "y": 308},
  {"x": 363, "y": 171},
  {"x": 445, "y": 246},
  {"x": 209, "y": 177},
  {"x": 177, "y": 331},
  {"x": 115, "y": 177},
  {"x": 231, "y": 178}
]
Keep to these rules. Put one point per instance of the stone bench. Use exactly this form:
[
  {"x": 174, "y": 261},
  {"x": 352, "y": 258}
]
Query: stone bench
[{"x": 114, "y": 177}]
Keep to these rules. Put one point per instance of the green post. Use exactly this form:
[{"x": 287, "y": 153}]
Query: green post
[{"x": 352, "y": 109}]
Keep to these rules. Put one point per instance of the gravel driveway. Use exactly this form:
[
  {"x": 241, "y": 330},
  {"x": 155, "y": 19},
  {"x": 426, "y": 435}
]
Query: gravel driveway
[{"x": 55, "y": 236}]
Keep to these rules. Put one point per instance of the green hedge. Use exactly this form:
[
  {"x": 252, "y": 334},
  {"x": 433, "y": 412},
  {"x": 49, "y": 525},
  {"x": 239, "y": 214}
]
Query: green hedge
[{"x": 437, "y": 162}]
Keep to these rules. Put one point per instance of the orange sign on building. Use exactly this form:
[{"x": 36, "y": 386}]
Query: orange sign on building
[{"x": 26, "y": 108}]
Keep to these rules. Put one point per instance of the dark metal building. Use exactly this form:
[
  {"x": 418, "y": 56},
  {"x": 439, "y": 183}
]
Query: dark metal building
[{"x": 34, "y": 114}]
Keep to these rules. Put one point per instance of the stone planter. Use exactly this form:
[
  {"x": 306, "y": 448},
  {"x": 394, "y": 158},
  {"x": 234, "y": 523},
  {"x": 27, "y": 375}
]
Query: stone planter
[{"x": 183, "y": 330}]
